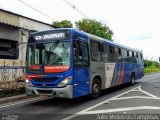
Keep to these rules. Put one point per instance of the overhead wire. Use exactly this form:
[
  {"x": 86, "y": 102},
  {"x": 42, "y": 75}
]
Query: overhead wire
[
  {"x": 75, "y": 8},
  {"x": 37, "y": 10},
  {"x": 66, "y": 1}
]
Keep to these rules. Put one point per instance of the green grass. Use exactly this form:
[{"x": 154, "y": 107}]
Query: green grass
[{"x": 151, "y": 69}]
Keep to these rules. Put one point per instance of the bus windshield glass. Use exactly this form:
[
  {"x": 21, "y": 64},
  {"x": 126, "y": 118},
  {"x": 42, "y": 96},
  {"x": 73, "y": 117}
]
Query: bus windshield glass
[{"x": 52, "y": 54}]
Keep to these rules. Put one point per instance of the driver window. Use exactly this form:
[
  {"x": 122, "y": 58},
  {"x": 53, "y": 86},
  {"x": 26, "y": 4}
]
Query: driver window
[{"x": 81, "y": 53}]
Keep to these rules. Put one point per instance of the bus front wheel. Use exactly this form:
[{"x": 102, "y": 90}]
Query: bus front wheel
[{"x": 96, "y": 88}]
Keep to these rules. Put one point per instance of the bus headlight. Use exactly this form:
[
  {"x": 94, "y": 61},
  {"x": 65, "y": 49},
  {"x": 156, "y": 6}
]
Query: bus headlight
[
  {"x": 65, "y": 82},
  {"x": 28, "y": 83}
]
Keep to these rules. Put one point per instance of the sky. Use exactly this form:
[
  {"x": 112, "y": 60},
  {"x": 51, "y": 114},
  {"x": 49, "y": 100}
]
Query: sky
[{"x": 135, "y": 23}]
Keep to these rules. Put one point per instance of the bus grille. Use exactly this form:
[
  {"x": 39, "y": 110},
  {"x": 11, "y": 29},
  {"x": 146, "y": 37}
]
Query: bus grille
[
  {"x": 46, "y": 85},
  {"x": 44, "y": 91},
  {"x": 45, "y": 79}
]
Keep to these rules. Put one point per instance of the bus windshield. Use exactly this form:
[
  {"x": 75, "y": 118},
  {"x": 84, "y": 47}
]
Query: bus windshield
[{"x": 55, "y": 53}]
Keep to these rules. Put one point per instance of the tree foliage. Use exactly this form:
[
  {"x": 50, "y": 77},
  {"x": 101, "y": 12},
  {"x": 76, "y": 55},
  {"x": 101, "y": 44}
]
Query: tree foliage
[
  {"x": 63, "y": 24},
  {"x": 88, "y": 25},
  {"x": 148, "y": 63},
  {"x": 94, "y": 27}
]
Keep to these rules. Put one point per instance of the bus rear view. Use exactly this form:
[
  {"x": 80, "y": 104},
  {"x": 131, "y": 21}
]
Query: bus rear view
[{"x": 48, "y": 66}]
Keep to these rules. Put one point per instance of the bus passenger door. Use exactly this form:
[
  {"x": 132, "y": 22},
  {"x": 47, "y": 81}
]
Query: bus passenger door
[{"x": 81, "y": 67}]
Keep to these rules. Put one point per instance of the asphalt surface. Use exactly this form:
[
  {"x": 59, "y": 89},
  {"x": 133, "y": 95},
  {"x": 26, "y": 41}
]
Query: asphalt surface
[{"x": 141, "y": 102}]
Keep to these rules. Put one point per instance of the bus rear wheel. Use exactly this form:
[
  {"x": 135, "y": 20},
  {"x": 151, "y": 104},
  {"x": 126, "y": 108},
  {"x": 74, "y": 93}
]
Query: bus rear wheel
[
  {"x": 132, "y": 79},
  {"x": 96, "y": 88}
]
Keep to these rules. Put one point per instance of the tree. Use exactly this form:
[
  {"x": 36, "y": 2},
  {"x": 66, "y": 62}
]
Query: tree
[
  {"x": 94, "y": 27},
  {"x": 149, "y": 63},
  {"x": 63, "y": 24}
]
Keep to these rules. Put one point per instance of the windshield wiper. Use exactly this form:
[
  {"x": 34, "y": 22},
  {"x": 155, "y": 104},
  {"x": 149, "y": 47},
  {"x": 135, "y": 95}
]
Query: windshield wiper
[{"x": 52, "y": 48}]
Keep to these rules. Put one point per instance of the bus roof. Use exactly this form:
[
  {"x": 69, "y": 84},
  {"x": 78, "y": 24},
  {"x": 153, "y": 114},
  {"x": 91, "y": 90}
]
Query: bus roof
[
  {"x": 93, "y": 37},
  {"x": 112, "y": 43}
]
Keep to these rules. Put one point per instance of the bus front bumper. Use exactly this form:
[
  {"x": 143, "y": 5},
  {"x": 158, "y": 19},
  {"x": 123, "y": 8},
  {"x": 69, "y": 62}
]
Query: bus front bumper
[{"x": 66, "y": 92}]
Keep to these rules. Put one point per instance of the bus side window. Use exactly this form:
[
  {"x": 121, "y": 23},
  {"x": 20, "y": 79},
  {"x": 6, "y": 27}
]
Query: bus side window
[
  {"x": 107, "y": 53},
  {"x": 95, "y": 49},
  {"x": 124, "y": 55},
  {"x": 132, "y": 54},
  {"x": 127, "y": 53},
  {"x": 141, "y": 58},
  {"x": 134, "y": 57},
  {"x": 137, "y": 58},
  {"x": 130, "y": 59},
  {"x": 117, "y": 54},
  {"x": 119, "y": 51},
  {"x": 81, "y": 57},
  {"x": 111, "y": 50}
]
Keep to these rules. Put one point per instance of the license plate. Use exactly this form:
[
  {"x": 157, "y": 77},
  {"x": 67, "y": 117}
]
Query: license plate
[{"x": 44, "y": 96}]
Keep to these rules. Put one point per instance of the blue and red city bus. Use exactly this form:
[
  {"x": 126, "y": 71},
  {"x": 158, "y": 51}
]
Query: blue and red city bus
[{"x": 68, "y": 63}]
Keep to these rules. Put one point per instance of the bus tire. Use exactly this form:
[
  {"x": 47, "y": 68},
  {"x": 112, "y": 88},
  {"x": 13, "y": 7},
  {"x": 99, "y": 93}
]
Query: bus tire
[
  {"x": 132, "y": 79},
  {"x": 96, "y": 88}
]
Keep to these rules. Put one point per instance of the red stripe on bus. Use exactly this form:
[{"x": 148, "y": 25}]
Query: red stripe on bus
[
  {"x": 35, "y": 67},
  {"x": 121, "y": 76},
  {"x": 55, "y": 69}
]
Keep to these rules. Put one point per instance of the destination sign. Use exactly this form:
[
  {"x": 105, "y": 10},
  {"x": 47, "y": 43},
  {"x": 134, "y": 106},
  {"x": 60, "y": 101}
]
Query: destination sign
[{"x": 50, "y": 36}]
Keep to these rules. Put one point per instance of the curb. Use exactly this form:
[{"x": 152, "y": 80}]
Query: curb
[
  {"x": 14, "y": 98},
  {"x": 151, "y": 73}
]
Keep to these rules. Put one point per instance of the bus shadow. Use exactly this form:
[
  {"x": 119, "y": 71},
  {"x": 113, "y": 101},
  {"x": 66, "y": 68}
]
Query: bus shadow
[
  {"x": 117, "y": 88},
  {"x": 63, "y": 102}
]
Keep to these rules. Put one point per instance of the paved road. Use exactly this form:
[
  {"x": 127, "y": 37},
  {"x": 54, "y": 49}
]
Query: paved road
[{"x": 125, "y": 102}]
